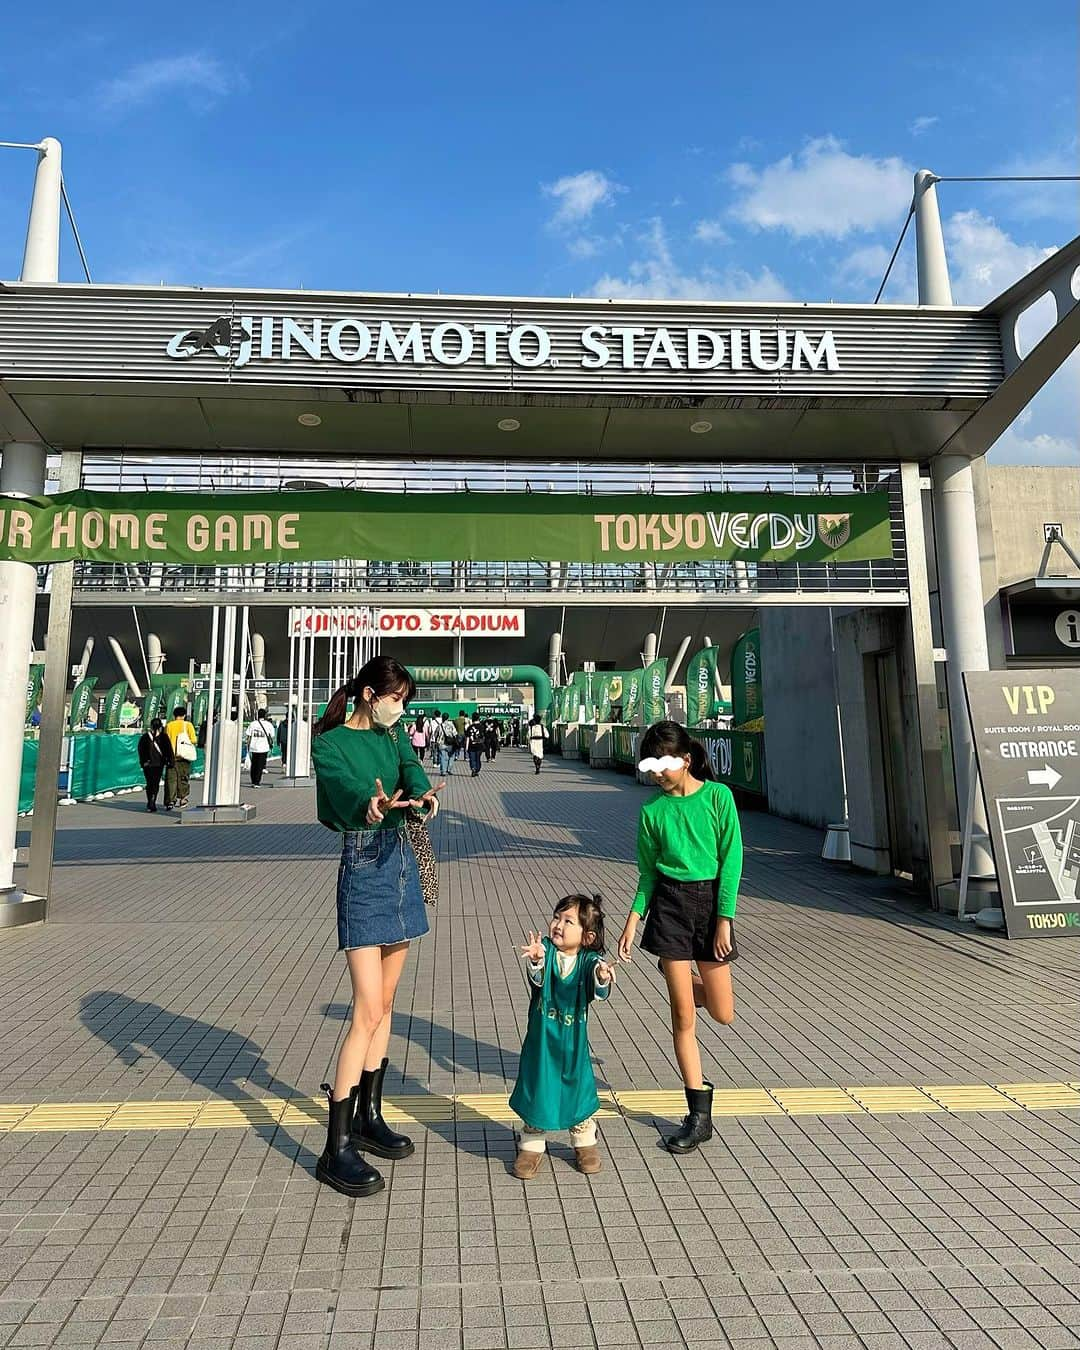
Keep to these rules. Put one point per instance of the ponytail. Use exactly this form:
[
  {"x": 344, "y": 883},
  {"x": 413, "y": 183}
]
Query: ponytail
[
  {"x": 699, "y": 763},
  {"x": 334, "y": 712}
]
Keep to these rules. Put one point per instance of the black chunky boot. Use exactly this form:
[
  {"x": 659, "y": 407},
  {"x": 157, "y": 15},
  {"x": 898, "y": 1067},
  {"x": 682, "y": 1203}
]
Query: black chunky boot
[
  {"x": 697, "y": 1127},
  {"x": 341, "y": 1166},
  {"x": 370, "y": 1131}
]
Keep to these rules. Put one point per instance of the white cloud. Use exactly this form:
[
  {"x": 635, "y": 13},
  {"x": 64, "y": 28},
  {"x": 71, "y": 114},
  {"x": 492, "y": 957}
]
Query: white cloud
[
  {"x": 192, "y": 74},
  {"x": 578, "y": 195},
  {"x": 822, "y": 191},
  {"x": 657, "y": 276},
  {"x": 983, "y": 259},
  {"x": 1046, "y": 431},
  {"x": 585, "y": 246},
  {"x": 1039, "y": 201},
  {"x": 711, "y": 232},
  {"x": 922, "y": 125}
]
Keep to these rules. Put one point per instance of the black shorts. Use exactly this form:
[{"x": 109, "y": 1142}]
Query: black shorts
[{"x": 680, "y": 923}]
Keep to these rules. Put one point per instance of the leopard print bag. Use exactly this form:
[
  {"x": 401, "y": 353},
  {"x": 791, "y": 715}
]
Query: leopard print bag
[{"x": 426, "y": 862}]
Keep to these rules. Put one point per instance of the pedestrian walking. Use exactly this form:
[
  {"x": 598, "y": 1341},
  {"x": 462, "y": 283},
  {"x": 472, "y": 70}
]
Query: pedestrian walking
[
  {"x": 474, "y": 743},
  {"x": 260, "y": 738},
  {"x": 418, "y": 737},
  {"x": 690, "y": 860},
  {"x": 155, "y": 755},
  {"x": 367, "y": 778},
  {"x": 443, "y": 738},
  {"x": 491, "y": 738},
  {"x": 182, "y": 739},
  {"x": 537, "y": 736},
  {"x": 556, "y": 1086},
  {"x": 461, "y": 722}
]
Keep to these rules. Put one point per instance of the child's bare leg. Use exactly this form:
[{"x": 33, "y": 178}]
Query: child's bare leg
[
  {"x": 684, "y": 1021},
  {"x": 717, "y": 992}
]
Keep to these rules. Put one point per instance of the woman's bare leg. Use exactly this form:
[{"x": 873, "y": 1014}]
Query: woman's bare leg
[
  {"x": 717, "y": 995},
  {"x": 393, "y": 963},
  {"x": 684, "y": 1021},
  {"x": 368, "y": 1012}
]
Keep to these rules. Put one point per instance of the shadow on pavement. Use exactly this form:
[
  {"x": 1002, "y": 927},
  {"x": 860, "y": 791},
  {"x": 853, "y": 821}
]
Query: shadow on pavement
[{"x": 230, "y": 1064}]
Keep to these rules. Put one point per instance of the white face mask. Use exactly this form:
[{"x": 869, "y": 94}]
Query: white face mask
[
  {"x": 384, "y": 714},
  {"x": 668, "y": 763}
]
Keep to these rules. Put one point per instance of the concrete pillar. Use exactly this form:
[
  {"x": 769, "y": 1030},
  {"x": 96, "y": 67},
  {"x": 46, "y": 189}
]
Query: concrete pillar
[
  {"x": 23, "y": 472},
  {"x": 957, "y": 538}
]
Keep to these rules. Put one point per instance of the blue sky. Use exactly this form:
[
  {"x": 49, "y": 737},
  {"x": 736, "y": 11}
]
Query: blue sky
[{"x": 609, "y": 148}]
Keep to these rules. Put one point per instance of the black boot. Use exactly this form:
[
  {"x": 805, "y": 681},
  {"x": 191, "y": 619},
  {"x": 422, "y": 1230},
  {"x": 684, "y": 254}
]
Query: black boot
[
  {"x": 341, "y": 1166},
  {"x": 369, "y": 1130},
  {"x": 697, "y": 1126}
]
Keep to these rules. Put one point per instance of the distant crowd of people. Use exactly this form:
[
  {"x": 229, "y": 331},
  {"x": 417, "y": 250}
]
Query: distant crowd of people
[
  {"x": 446, "y": 739},
  {"x": 167, "y": 751}
]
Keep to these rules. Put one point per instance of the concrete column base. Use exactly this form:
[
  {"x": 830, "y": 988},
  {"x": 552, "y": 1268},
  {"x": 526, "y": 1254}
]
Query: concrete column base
[
  {"x": 304, "y": 780},
  {"x": 17, "y": 909},
  {"x": 982, "y": 893},
  {"x": 217, "y": 815}
]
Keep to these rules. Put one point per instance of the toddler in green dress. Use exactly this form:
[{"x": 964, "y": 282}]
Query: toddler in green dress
[{"x": 556, "y": 1087}]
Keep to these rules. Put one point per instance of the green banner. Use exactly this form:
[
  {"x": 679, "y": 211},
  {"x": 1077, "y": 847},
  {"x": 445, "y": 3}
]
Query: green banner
[
  {"x": 573, "y": 703},
  {"x": 653, "y": 707},
  {"x": 702, "y": 700},
  {"x": 80, "y": 702},
  {"x": 632, "y": 686},
  {"x": 114, "y": 706},
  {"x": 737, "y": 758},
  {"x": 202, "y": 702},
  {"x": 256, "y": 527},
  {"x": 747, "y": 697},
  {"x": 34, "y": 682},
  {"x": 603, "y": 713},
  {"x": 625, "y": 745}
]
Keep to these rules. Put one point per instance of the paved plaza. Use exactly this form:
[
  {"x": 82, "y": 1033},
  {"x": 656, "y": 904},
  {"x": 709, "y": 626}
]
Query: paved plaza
[{"x": 897, "y": 1160}]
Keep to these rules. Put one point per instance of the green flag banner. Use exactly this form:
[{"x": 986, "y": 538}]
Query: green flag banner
[
  {"x": 701, "y": 697},
  {"x": 35, "y": 680},
  {"x": 653, "y": 707},
  {"x": 80, "y": 702},
  {"x": 632, "y": 697},
  {"x": 202, "y": 702},
  {"x": 254, "y": 527},
  {"x": 747, "y": 698},
  {"x": 114, "y": 706},
  {"x": 604, "y": 711},
  {"x": 737, "y": 758},
  {"x": 573, "y": 703}
]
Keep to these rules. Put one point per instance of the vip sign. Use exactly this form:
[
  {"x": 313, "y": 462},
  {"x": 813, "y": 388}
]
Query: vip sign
[{"x": 408, "y": 622}]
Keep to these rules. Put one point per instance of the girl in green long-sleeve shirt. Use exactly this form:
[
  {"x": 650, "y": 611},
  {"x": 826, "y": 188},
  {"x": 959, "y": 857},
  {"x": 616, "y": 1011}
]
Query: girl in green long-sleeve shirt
[{"x": 690, "y": 861}]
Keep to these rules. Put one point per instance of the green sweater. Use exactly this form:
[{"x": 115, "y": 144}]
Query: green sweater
[
  {"x": 693, "y": 838},
  {"x": 347, "y": 762}
]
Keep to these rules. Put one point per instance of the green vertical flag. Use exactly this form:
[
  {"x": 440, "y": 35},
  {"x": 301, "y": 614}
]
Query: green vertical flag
[
  {"x": 573, "y": 703},
  {"x": 202, "y": 702},
  {"x": 80, "y": 702},
  {"x": 653, "y": 706},
  {"x": 632, "y": 697},
  {"x": 604, "y": 711},
  {"x": 35, "y": 680},
  {"x": 114, "y": 706},
  {"x": 747, "y": 698},
  {"x": 701, "y": 699}
]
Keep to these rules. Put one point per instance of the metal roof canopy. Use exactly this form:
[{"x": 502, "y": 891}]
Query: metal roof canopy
[{"x": 87, "y": 366}]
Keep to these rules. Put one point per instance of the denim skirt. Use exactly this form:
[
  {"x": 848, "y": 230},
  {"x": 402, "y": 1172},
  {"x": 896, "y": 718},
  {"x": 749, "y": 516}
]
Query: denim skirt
[{"x": 379, "y": 901}]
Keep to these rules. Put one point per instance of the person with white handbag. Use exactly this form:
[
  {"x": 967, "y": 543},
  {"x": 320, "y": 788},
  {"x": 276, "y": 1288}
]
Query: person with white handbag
[
  {"x": 181, "y": 736},
  {"x": 260, "y": 737}
]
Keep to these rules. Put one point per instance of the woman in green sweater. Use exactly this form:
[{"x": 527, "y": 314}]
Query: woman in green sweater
[
  {"x": 690, "y": 862},
  {"x": 367, "y": 778}
]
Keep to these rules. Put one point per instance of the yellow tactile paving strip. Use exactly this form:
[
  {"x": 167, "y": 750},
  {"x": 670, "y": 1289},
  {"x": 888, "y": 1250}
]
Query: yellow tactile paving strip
[{"x": 433, "y": 1109}]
